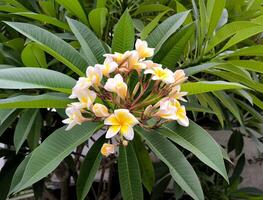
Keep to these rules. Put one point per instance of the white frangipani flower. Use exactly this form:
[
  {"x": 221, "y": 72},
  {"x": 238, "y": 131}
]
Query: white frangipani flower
[
  {"x": 165, "y": 75},
  {"x": 117, "y": 86},
  {"x": 143, "y": 50}
]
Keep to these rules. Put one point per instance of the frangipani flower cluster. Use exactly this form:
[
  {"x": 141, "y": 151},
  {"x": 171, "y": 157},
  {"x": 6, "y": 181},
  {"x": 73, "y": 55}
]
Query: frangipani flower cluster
[{"x": 127, "y": 90}]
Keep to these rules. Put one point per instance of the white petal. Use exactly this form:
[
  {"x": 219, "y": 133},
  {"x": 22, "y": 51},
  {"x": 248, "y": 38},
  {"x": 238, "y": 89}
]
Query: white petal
[
  {"x": 129, "y": 133},
  {"x": 112, "y": 131}
]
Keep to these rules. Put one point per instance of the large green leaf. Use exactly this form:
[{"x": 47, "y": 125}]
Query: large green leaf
[
  {"x": 199, "y": 68},
  {"x": 45, "y": 19},
  {"x": 145, "y": 163},
  {"x": 34, "y": 135},
  {"x": 209, "y": 86},
  {"x": 91, "y": 46},
  {"x": 28, "y": 78},
  {"x": 46, "y": 157},
  {"x": 162, "y": 32},
  {"x": 23, "y": 127},
  {"x": 242, "y": 35},
  {"x": 172, "y": 50},
  {"x": 256, "y": 50},
  {"x": 32, "y": 56},
  {"x": 251, "y": 65},
  {"x": 151, "y": 8},
  {"x": 123, "y": 39},
  {"x": 89, "y": 169},
  {"x": 48, "y": 100},
  {"x": 196, "y": 140},
  {"x": 97, "y": 19},
  {"x": 227, "y": 31},
  {"x": 54, "y": 45},
  {"x": 180, "y": 169},
  {"x": 5, "y": 113},
  {"x": 8, "y": 121},
  {"x": 129, "y": 174},
  {"x": 75, "y": 8}
]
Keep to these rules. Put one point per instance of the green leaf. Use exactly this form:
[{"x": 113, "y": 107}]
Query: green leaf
[
  {"x": 45, "y": 19},
  {"x": 89, "y": 169},
  {"x": 123, "y": 38},
  {"x": 97, "y": 19},
  {"x": 199, "y": 68},
  {"x": 23, "y": 127},
  {"x": 91, "y": 45},
  {"x": 129, "y": 174},
  {"x": 151, "y": 8},
  {"x": 251, "y": 65},
  {"x": 46, "y": 157},
  {"x": 29, "y": 78},
  {"x": 257, "y": 101},
  {"x": 151, "y": 26},
  {"x": 53, "y": 45},
  {"x": 8, "y": 121},
  {"x": 32, "y": 56},
  {"x": 242, "y": 35},
  {"x": 180, "y": 169},
  {"x": 214, "y": 105},
  {"x": 47, "y": 100},
  {"x": 198, "y": 141},
  {"x": 256, "y": 50},
  {"x": 214, "y": 12},
  {"x": 162, "y": 32},
  {"x": 227, "y": 31},
  {"x": 75, "y": 8},
  {"x": 209, "y": 86},
  {"x": 4, "y": 66},
  {"x": 34, "y": 135},
  {"x": 5, "y": 113},
  {"x": 228, "y": 102},
  {"x": 145, "y": 163},
  {"x": 173, "y": 49}
]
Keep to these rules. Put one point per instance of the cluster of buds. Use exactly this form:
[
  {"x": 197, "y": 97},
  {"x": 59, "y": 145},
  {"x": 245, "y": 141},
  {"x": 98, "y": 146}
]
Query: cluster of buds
[{"x": 128, "y": 90}]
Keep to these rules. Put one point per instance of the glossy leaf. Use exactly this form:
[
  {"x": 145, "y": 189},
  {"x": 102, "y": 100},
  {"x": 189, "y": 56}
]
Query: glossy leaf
[
  {"x": 129, "y": 174},
  {"x": 53, "y": 45},
  {"x": 180, "y": 169},
  {"x": 209, "y": 86},
  {"x": 91, "y": 45},
  {"x": 29, "y": 78},
  {"x": 123, "y": 38},
  {"x": 46, "y": 157},
  {"x": 89, "y": 169},
  {"x": 34, "y": 135},
  {"x": 97, "y": 19},
  {"x": 23, "y": 127}
]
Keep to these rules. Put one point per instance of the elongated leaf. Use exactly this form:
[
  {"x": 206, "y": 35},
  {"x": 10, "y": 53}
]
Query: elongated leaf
[
  {"x": 45, "y": 158},
  {"x": 256, "y": 50},
  {"x": 27, "y": 78},
  {"x": 199, "y": 68},
  {"x": 209, "y": 86},
  {"x": 89, "y": 168},
  {"x": 34, "y": 135},
  {"x": 8, "y": 121},
  {"x": 228, "y": 102},
  {"x": 129, "y": 174},
  {"x": 251, "y": 65},
  {"x": 162, "y": 32},
  {"x": 151, "y": 8},
  {"x": 97, "y": 19},
  {"x": 173, "y": 49},
  {"x": 48, "y": 100},
  {"x": 5, "y": 113},
  {"x": 32, "y": 56},
  {"x": 74, "y": 7},
  {"x": 181, "y": 171},
  {"x": 151, "y": 26},
  {"x": 45, "y": 19},
  {"x": 196, "y": 140},
  {"x": 123, "y": 38},
  {"x": 227, "y": 31},
  {"x": 257, "y": 101},
  {"x": 91, "y": 46},
  {"x": 4, "y": 66},
  {"x": 145, "y": 163},
  {"x": 23, "y": 127},
  {"x": 52, "y": 44},
  {"x": 214, "y": 12},
  {"x": 242, "y": 35}
]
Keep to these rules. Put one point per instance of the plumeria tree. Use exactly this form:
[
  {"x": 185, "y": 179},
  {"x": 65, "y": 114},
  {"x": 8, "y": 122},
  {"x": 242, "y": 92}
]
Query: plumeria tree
[{"x": 131, "y": 83}]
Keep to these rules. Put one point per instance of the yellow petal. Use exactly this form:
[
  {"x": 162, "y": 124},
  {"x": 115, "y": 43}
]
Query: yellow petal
[{"x": 111, "y": 120}]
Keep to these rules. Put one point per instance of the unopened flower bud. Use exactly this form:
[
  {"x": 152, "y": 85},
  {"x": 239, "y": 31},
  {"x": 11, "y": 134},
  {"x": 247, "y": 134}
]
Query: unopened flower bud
[
  {"x": 100, "y": 110},
  {"x": 107, "y": 149},
  {"x": 135, "y": 90},
  {"x": 148, "y": 110},
  {"x": 125, "y": 143}
]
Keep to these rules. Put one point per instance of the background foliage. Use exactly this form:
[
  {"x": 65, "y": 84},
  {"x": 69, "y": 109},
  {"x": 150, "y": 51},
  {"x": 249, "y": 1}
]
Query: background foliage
[{"x": 47, "y": 44}]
